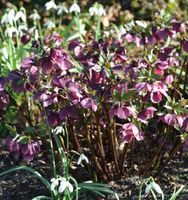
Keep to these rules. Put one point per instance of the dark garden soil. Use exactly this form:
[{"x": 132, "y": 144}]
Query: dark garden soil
[{"x": 23, "y": 186}]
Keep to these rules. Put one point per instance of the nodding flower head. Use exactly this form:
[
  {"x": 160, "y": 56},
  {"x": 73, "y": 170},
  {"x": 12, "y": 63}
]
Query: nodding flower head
[{"x": 129, "y": 131}]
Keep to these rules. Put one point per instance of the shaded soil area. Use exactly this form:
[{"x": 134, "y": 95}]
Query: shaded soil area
[{"x": 21, "y": 185}]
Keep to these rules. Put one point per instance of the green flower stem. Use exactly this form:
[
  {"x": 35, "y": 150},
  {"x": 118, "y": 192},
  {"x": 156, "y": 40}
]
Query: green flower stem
[{"x": 98, "y": 31}]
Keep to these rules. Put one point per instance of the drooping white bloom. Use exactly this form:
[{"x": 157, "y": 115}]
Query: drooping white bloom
[
  {"x": 61, "y": 184},
  {"x": 8, "y": 17},
  {"x": 153, "y": 186},
  {"x": 4, "y": 19},
  {"x": 97, "y": 9},
  {"x": 81, "y": 158},
  {"x": 62, "y": 9},
  {"x": 10, "y": 31},
  {"x": 20, "y": 15},
  {"x": 22, "y": 27},
  {"x": 54, "y": 183},
  {"x": 49, "y": 25},
  {"x": 64, "y": 184},
  {"x": 11, "y": 16},
  {"x": 50, "y": 5},
  {"x": 74, "y": 8},
  {"x": 35, "y": 16}
]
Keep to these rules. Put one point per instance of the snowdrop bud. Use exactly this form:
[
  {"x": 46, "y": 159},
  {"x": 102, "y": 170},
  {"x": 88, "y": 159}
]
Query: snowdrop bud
[
  {"x": 51, "y": 5},
  {"x": 35, "y": 16},
  {"x": 81, "y": 158},
  {"x": 74, "y": 8}
]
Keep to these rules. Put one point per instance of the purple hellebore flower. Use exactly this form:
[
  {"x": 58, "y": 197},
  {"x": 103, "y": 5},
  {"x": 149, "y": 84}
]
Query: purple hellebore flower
[
  {"x": 164, "y": 53},
  {"x": 28, "y": 62},
  {"x": 13, "y": 146},
  {"x": 120, "y": 88},
  {"x": 33, "y": 74},
  {"x": 129, "y": 131},
  {"x": 148, "y": 40},
  {"x": 185, "y": 124},
  {"x": 25, "y": 39},
  {"x": 68, "y": 111},
  {"x": 140, "y": 86},
  {"x": 146, "y": 114},
  {"x": 53, "y": 118},
  {"x": 121, "y": 112},
  {"x": 89, "y": 104},
  {"x": 4, "y": 100},
  {"x": 160, "y": 67},
  {"x": 55, "y": 38},
  {"x": 161, "y": 34},
  {"x": 60, "y": 59},
  {"x": 46, "y": 65},
  {"x": 133, "y": 38},
  {"x": 169, "y": 119},
  {"x": 185, "y": 45},
  {"x": 178, "y": 27},
  {"x": 169, "y": 79},
  {"x": 30, "y": 149},
  {"x": 155, "y": 90}
]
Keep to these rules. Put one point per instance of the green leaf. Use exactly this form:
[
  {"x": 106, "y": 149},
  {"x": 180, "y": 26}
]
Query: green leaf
[
  {"x": 127, "y": 96},
  {"x": 23, "y": 139},
  {"x": 12, "y": 130},
  {"x": 25, "y": 168},
  {"x": 41, "y": 198},
  {"x": 176, "y": 194}
]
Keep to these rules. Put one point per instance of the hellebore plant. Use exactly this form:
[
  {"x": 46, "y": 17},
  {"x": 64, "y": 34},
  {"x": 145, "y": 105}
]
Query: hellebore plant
[{"x": 114, "y": 102}]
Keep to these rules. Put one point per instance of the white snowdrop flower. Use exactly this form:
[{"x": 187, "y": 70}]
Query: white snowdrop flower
[
  {"x": 74, "y": 8},
  {"x": 4, "y": 52},
  {"x": 8, "y": 17},
  {"x": 4, "y": 18},
  {"x": 97, "y": 9},
  {"x": 153, "y": 186},
  {"x": 49, "y": 25},
  {"x": 22, "y": 27},
  {"x": 62, "y": 9},
  {"x": 11, "y": 16},
  {"x": 61, "y": 184},
  {"x": 81, "y": 158},
  {"x": 64, "y": 184},
  {"x": 10, "y": 31},
  {"x": 35, "y": 16},
  {"x": 54, "y": 183},
  {"x": 50, "y": 5},
  {"x": 20, "y": 15}
]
